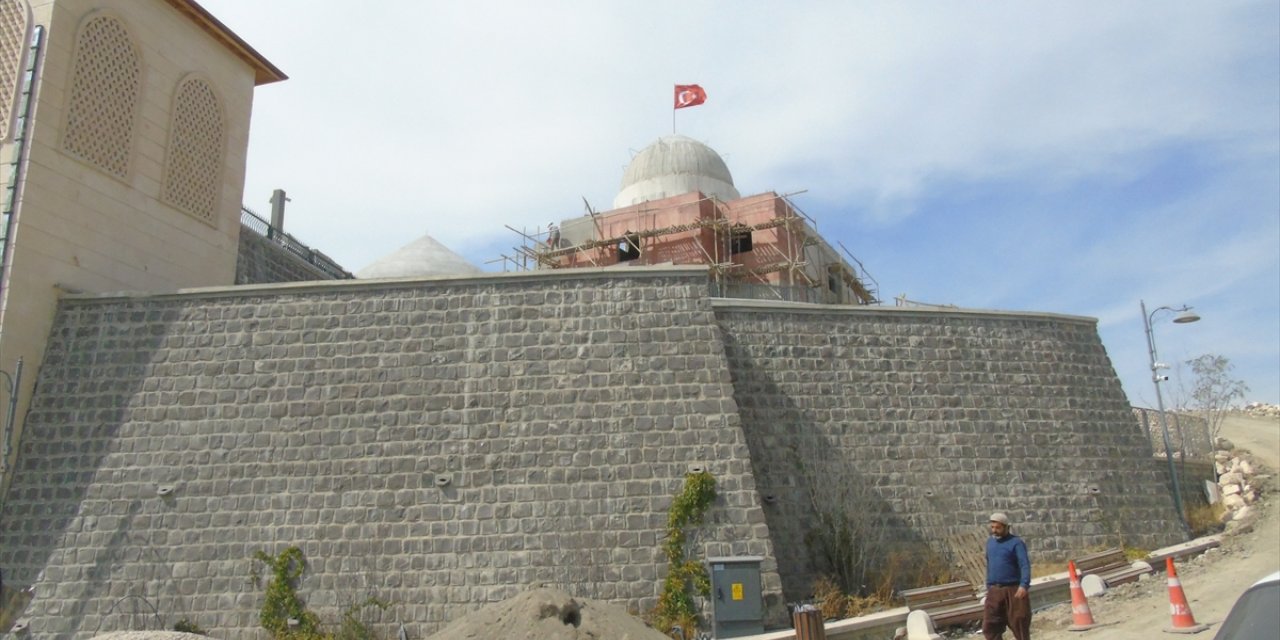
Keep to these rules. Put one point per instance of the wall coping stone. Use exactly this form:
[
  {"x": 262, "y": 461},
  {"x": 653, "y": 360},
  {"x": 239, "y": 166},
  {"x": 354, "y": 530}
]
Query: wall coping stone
[
  {"x": 326, "y": 286},
  {"x": 552, "y": 275},
  {"x": 743, "y": 304}
]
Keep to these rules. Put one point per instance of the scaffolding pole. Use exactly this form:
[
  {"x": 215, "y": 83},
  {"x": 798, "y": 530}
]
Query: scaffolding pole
[{"x": 797, "y": 228}]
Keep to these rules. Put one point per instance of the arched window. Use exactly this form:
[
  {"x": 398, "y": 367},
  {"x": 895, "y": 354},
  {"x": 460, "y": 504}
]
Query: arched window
[
  {"x": 193, "y": 160},
  {"x": 106, "y": 82}
]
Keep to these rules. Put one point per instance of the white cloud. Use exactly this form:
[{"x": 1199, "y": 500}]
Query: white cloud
[{"x": 902, "y": 121}]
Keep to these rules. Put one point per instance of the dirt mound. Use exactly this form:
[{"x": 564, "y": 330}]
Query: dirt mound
[{"x": 548, "y": 614}]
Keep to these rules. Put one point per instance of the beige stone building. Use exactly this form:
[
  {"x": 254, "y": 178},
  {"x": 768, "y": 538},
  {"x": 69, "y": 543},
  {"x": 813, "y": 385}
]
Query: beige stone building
[{"x": 124, "y": 125}]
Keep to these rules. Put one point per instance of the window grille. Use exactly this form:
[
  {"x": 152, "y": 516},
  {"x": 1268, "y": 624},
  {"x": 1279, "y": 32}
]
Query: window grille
[
  {"x": 193, "y": 167},
  {"x": 14, "y": 23},
  {"x": 106, "y": 82}
]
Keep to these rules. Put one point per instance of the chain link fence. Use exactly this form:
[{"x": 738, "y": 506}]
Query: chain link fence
[{"x": 1188, "y": 435}]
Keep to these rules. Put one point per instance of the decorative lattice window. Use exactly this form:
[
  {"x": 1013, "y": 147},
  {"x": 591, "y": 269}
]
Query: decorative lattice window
[
  {"x": 106, "y": 81},
  {"x": 14, "y": 22},
  {"x": 193, "y": 166}
]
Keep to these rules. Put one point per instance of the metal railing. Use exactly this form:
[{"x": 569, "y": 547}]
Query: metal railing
[
  {"x": 811, "y": 295},
  {"x": 902, "y": 301},
  {"x": 259, "y": 225}
]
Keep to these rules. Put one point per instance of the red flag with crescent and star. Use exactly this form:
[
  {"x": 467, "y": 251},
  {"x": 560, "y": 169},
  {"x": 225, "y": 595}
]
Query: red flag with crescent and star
[{"x": 689, "y": 95}]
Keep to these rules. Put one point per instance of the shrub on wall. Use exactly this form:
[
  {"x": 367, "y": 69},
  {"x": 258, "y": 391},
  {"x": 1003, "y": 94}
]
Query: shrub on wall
[
  {"x": 282, "y": 605},
  {"x": 684, "y": 576},
  {"x": 286, "y": 616}
]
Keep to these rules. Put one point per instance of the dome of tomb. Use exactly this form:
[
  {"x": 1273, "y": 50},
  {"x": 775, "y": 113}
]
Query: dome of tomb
[{"x": 672, "y": 166}]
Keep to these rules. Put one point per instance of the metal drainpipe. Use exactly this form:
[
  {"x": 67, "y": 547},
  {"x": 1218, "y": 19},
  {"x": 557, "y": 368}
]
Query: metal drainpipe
[
  {"x": 6, "y": 231},
  {"x": 15, "y": 170}
]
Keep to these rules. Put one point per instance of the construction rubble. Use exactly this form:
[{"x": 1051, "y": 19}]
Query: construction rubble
[
  {"x": 1262, "y": 410},
  {"x": 1239, "y": 482}
]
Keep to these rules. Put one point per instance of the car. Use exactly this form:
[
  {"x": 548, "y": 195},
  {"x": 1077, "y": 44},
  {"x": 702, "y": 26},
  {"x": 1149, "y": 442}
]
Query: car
[{"x": 1256, "y": 615}]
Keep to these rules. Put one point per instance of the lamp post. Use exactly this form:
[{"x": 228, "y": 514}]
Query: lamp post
[{"x": 1185, "y": 315}]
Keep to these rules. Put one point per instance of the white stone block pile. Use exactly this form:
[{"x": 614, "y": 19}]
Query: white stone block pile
[
  {"x": 1239, "y": 481},
  {"x": 1262, "y": 410}
]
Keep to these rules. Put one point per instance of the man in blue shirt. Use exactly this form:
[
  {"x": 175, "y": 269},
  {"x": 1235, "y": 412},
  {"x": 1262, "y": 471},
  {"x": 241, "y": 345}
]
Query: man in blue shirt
[{"x": 1008, "y": 581}]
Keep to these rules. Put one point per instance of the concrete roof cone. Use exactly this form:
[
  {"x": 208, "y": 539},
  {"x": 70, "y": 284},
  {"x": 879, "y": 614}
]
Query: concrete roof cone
[{"x": 422, "y": 257}]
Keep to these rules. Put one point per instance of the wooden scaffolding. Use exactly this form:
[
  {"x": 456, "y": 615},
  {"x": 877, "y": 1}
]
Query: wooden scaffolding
[{"x": 793, "y": 258}]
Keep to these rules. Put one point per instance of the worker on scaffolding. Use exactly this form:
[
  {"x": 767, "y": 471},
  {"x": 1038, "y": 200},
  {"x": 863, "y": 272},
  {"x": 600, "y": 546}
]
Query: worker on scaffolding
[{"x": 553, "y": 235}]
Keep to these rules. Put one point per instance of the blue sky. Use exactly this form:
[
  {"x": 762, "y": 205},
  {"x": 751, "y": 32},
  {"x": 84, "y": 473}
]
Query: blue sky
[{"x": 1064, "y": 157}]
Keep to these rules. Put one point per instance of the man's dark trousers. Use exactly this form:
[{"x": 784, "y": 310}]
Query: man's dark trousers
[{"x": 1002, "y": 609}]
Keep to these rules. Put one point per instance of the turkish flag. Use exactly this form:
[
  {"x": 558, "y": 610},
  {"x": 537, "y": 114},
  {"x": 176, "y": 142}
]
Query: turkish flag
[{"x": 689, "y": 95}]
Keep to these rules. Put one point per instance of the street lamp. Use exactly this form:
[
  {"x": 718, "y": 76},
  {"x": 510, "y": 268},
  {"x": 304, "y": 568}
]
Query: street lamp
[{"x": 1185, "y": 315}]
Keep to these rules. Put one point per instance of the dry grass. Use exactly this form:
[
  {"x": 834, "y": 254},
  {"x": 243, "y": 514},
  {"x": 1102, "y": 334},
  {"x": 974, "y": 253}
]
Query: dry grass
[
  {"x": 1039, "y": 569},
  {"x": 861, "y": 605},
  {"x": 1136, "y": 553},
  {"x": 829, "y": 598},
  {"x": 1205, "y": 519},
  {"x": 835, "y": 604},
  {"x": 900, "y": 569},
  {"x": 906, "y": 569}
]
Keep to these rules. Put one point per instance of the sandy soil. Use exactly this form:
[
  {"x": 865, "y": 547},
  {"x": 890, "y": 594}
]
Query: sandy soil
[
  {"x": 1261, "y": 436},
  {"x": 548, "y": 614},
  {"x": 1211, "y": 582}
]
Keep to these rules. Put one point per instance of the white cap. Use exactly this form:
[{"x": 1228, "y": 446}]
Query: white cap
[{"x": 1001, "y": 518}]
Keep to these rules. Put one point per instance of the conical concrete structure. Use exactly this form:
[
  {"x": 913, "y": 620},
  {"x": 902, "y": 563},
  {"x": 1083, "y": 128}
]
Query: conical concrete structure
[{"x": 422, "y": 257}]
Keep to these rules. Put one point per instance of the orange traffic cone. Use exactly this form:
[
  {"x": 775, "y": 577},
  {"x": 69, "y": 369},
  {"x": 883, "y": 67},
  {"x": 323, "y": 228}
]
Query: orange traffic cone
[
  {"x": 1081, "y": 617},
  {"x": 1183, "y": 621}
]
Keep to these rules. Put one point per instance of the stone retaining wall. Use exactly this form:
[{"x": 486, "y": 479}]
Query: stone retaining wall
[
  {"x": 439, "y": 444},
  {"x": 917, "y": 424},
  {"x": 261, "y": 261},
  {"x": 445, "y": 443}
]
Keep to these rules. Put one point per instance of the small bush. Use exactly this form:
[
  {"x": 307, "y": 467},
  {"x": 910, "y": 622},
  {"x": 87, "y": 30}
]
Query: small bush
[
  {"x": 905, "y": 568},
  {"x": 1205, "y": 519},
  {"x": 1135, "y": 553},
  {"x": 861, "y": 605},
  {"x": 185, "y": 625},
  {"x": 835, "y": 604},
  {"x": 828, "y": 597},
  {"x": 282, "y": 602}
]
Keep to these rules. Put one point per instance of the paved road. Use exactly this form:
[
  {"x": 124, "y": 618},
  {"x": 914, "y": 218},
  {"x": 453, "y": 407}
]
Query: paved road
[{"x": 1211, "y": 584}]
